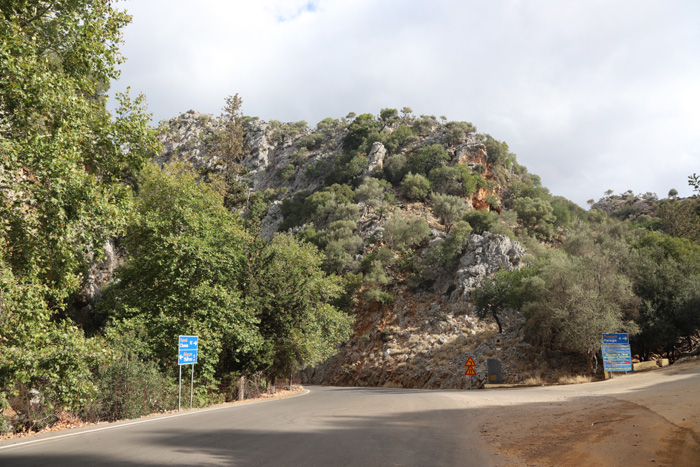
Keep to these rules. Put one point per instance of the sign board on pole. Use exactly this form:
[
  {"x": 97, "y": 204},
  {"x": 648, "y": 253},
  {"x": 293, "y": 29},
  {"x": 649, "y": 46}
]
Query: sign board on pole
[
  {"x": 186, "y": 355},
  {"x": 617, "y": 338},
  {"x": 617, "y": 355},
  {"x": 470, "y": 369},
  {"x": 187, "y": 351}
]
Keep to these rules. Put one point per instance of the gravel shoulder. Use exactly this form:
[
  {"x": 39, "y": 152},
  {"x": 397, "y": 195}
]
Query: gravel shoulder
[{"x": 650, "y": 418}]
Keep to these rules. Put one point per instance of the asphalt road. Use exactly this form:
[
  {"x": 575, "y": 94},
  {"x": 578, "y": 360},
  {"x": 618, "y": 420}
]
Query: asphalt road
[
  {"x": 326, "y": 427},
  {"x": 640, "y": 419}
]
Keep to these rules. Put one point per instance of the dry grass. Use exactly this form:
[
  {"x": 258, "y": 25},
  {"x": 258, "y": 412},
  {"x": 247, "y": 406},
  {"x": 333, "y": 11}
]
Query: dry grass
[
  {"x": 574, "y": 379},
  {"x": 534, "y": 381}
]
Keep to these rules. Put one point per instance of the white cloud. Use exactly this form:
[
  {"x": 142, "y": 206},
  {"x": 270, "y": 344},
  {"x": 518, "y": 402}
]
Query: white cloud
[{"x": 589, "y": 95}]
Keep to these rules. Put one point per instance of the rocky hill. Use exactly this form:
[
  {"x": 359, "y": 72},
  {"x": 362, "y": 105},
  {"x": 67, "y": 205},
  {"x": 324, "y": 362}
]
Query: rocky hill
[{"x": 414, "y": 323}]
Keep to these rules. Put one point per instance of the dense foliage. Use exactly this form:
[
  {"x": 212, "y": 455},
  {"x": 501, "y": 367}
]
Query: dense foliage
[{"x": 74, "y": 176}]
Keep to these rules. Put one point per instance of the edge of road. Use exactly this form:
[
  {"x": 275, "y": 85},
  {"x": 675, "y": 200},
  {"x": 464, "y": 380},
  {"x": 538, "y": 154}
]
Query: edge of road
[{"x": 51, "y": 436}]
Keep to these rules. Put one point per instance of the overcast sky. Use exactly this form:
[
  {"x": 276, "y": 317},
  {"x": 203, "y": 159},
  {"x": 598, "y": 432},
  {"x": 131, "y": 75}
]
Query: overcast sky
[{"x": 591, "y": 95}]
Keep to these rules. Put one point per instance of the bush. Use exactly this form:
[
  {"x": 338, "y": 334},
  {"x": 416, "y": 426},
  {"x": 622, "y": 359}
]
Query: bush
[
  {"x": 415, "y": 187},
  {"x": 456, "y": 132},
  {"x": 340, "y": 254},
  {"x": 388, "y": 116},
  {"x": 427, "y": 158},
  {"x": 358, "y": 131},
  {"x": 481, "y": 221},
  {"x": 401, "y": 137},
  {"x": 400, "y": 231},
  {"x": 536, "y": 215},
  {"x": 497, "y": 152},
  {"x": 313, "y": 141},
  {"x": 449, "y": 209},
  {"x": 371, "y": 192},
  {"x": 379, "y": 296},
  {"x": 451, "y": 248},
  {"x": 131, "y": 385},
  {"x": 395, "y": 168}
]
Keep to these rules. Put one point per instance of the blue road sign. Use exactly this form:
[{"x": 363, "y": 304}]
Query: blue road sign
[
  {"x": 618, "y": 338},
  {"x": 187, "y": 350},
  {"x": 617, "y": 355}
]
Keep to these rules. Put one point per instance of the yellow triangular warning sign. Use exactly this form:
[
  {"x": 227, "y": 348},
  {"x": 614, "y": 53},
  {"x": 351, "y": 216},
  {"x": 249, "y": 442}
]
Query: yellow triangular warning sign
[
  {"x": 470, "y": 362},
  {"x": 470, "y": 371}
]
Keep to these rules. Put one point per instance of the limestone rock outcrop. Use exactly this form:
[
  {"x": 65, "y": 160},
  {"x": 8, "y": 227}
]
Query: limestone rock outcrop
[{"x": 487, "y": 254}]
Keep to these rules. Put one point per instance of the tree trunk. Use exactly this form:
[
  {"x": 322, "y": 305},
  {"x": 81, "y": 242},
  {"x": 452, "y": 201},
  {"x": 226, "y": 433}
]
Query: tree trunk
[
  {"x": 241, "y": 388},
  {"x": 498, "y": 321},
  {"x": 589, "y": 362}
]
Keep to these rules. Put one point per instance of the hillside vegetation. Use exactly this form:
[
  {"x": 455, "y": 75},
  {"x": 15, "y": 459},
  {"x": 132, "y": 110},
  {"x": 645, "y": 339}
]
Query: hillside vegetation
[{"x": 367, "y": 250}]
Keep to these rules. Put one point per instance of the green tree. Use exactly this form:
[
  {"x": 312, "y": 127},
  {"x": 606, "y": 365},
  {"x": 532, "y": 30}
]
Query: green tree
[
  {"x": 427, "y": 158},
  {"x": 291, "y": 296},
  {"x": 185, "y": 274},
  {"x": 415, "y": 187},
  {"x": 456, "y": 132},
  {"x": 405, "y": 231},
  {"x": 666, "y": 275},
  {"x": 371, "y": 192},
  {"x": 576, "y": 299},
  {"x": 358, "y": 131},
  {"x": 395, "y": 168},
  {"x": 401, "y": 137},
  {"x": 681, "y": 218},
  {"x": 537, "y": 215},
  {"x": 497, "y": 152},
  {"x": 65, "y": 164},
  {"x": 480, "y": 221},
  {"x": 388, "y": 116},
  {"x": 64, "y": 157},
  {"x": 506, "y": 290},
  {"x": 449, "y": 209},
  {"x": 229, "y": 146}
]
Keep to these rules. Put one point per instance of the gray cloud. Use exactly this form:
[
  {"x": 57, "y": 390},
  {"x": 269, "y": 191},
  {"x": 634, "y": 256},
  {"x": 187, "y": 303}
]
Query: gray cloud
[{"x": 591, "y": 96}]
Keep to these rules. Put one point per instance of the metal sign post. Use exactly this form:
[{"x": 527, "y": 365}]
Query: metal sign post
[
  {"x": 470, "y": 370},
  {"x": 187, "y": 355}
]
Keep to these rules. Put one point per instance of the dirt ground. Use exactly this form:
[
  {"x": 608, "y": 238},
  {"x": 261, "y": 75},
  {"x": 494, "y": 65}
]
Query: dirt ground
[{"x": 640, "y": 419}]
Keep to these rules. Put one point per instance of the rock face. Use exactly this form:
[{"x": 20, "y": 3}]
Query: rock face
[
  {"x": 272, "y": 220},
  {"x": 260, "y": 147},
  {"x": 376, "y": 157},
  {"x": 487, "y": 254},
  {"x": 188, "y": 137}
]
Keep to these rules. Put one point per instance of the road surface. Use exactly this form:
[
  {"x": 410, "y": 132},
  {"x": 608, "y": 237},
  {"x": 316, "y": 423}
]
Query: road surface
[{"x": 641, "y": 419}]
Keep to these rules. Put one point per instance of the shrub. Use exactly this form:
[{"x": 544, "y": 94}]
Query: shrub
[
  {"x": 371, "y": 192},
  {"x": 388, "y": 116},
  {"x": 340, "y": 254},
  {"x": 400, "y": 231},
  {"x": 427, "y": 158},
  {"x": 449, "y": 209},
  {"x": 402, "y": 136},
  {"x": 358, "y": 131},
  {"x": 395, "y": 168},
  {"x": 313, "y": 141},
  {"x": 456, "y": 132},
  {"x": 415, "y": 186},
  {"x": 480, "y": 221},
  {"x": 379, "y": 296}
]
